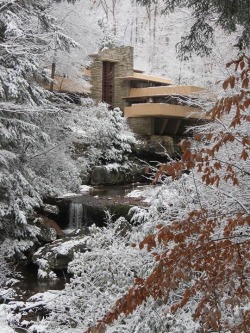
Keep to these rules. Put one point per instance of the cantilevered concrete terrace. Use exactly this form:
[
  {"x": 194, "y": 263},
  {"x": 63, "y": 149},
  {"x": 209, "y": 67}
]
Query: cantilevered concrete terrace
[
  {"x": 146, "y": 78},
  {"x": 162, "y": 110},
  {"x": 182, "y": 90},
  {"x": 162, "y": 119},
  {"x": 159, "y": 108}
]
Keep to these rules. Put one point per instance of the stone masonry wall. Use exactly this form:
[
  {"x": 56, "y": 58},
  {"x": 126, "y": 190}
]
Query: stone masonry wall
[
  {"x": 123, "y": 60},
  {"x": 96, "y": 78},
  {"x": 143, "y": 126}
]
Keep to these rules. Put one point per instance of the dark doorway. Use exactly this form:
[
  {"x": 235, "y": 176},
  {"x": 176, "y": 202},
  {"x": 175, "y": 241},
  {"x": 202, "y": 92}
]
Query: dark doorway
[{"x": 107, "y": 82}]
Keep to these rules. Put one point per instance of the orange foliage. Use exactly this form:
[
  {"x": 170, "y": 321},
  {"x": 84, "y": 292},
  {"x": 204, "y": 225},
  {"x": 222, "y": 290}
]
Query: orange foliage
[{"x": 198, "y": 261}]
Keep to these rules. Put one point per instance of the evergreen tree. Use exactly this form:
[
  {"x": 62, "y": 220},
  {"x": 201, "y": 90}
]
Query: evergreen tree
[{"x": 27, "y": 32}]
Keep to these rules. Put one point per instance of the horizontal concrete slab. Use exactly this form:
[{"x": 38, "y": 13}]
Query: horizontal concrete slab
[
  {"x": 165, "y": 91},
  {"x": 162, "y": 110},
  {"x": 143, "y": 77}
]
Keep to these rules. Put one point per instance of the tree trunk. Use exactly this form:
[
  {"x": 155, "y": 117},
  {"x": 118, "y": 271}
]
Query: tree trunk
[{"x": 53, "y": 70}]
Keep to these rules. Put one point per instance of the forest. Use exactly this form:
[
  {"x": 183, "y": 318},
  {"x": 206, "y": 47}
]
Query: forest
[{"x": 182, "y": 262}]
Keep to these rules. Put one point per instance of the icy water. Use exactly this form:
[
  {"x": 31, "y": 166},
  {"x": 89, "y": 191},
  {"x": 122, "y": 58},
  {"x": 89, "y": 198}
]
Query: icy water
[
  {"x": 83, "y": 209},
  {"x": 29, "y": 285},
  {"x": 89, "y": 207}
]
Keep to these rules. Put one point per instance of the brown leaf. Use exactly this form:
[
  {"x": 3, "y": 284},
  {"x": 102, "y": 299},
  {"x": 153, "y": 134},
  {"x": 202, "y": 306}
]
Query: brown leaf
[
  {"x": 232, "y": 81},
  {"x": 245, "y": 83},
  {"x": 225, "y": 84},
  {"x": 246, "y": 103},
  {"x": 242, "y": 64},
  {"x": 246, "y": 141},
  {"x": 244, "y": 155}
]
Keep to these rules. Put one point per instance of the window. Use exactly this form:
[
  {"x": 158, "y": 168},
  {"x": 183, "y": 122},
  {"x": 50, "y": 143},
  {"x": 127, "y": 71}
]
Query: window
[{"x": 107, "y": 82}]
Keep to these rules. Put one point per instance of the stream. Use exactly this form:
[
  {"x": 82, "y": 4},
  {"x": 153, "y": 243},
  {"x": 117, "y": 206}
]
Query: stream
[
  {"x": 27, "y": 295},
  {"x": 87, "y": 208},
  {"x": 29, "y": 285},
  {"x": 79, "y": 211}
]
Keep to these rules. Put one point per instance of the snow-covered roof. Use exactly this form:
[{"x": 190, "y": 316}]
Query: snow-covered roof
[{"x": 148, "y": 78}]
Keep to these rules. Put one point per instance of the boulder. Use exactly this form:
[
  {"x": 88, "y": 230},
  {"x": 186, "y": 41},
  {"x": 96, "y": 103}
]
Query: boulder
[
  {"x": 49, "y": 209},
  {"x": 57, "y": 255},
  {"x": 53, "y": 225},
  {"x": 155, "y": 147},
  {"x": 117, "y": 174},
  {"x": 49, "y": 229}
]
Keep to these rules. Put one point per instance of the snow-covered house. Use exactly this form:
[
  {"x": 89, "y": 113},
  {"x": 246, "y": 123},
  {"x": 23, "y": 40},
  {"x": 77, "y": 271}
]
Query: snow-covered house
[{"x": 152, "y": 105}]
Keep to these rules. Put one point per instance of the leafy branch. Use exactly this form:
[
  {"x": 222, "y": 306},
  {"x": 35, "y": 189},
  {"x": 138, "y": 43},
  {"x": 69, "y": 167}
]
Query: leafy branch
[{"x": 204, "y": 258}]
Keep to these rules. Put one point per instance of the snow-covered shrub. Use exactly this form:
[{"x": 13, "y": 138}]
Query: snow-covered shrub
[
  {"x": 103, "y": 272},
  {"x": 102, "y": 135}
]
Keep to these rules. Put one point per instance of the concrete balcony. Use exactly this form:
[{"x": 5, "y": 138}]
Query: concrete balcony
[
  {"x": 146, "y": 78},
  {"x": 163, "y": 110},
  {"x": 163, "y": 119},
  {"x": 183, "y": 90}
]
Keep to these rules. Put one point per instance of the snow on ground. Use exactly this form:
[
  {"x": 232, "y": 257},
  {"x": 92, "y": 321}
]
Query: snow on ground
[
  {"x": 143, "y": 191},
  {"x": 135, "y": 193},
  {"x": 8, "y": 315},
  {"x": 68, "y": 195},
  {"x": 5, "y": 328},
  {"x": 66, "y": 247},
  {"x": 43, "y": 298},
  {"x": 85, "y": 188}
]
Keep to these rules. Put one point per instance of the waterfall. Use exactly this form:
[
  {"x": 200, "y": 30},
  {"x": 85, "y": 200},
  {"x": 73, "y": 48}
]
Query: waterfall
[{"x": 75, "y": 215}]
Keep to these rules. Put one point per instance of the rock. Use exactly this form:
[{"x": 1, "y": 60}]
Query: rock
[
  {"x": 108, "y": 175},
  {"x": 51, "y": 209},
  {"x": 77, "y": 232},
  {"x": 154, "y": 147},
  {"x": 148, "y": 148},
  {"x": 100, "y": 175},
  {"x": 49, "y": 229},
  {"x": 52, "y": 224},
  {"x": 57, "y": 255},
  {"x": 20, "y": 330}
]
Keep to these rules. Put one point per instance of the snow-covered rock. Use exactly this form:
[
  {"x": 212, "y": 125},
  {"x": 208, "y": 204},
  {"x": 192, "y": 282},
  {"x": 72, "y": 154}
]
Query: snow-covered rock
[
  {"x": 57, "y": 255},
  {"x": 116, "y": 174}
]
